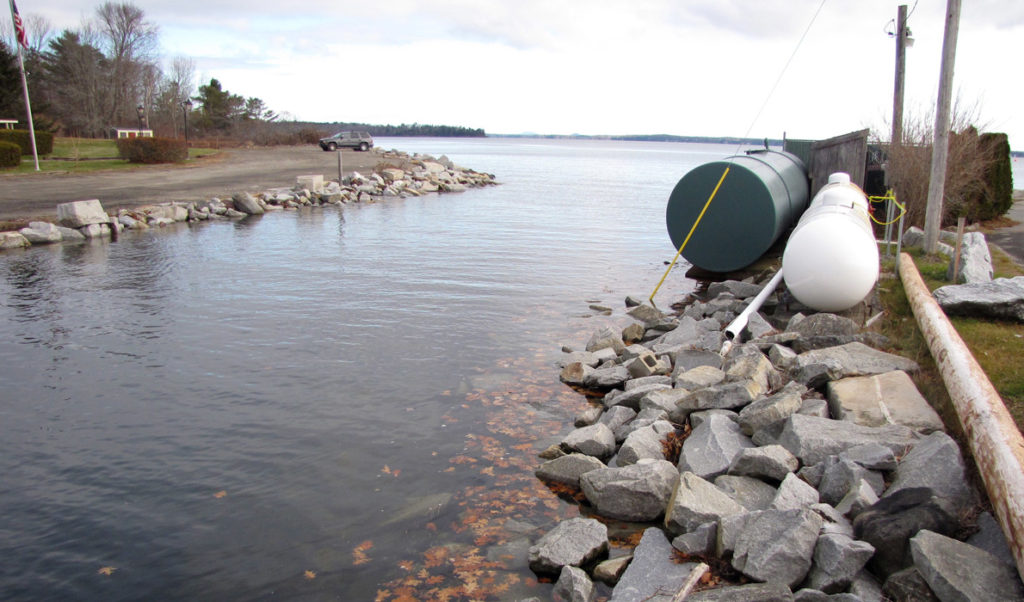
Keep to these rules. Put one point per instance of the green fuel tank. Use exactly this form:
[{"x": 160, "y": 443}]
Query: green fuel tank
[{"x": 764, "y": 193}]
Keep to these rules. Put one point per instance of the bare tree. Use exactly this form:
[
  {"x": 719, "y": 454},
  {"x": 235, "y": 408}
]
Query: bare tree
[
  {"x": 38, "y": 32},
  {"x": 130, "y": 42},
  {"x": 966, "y": 167},
  {"x": 177, "y": 85}
]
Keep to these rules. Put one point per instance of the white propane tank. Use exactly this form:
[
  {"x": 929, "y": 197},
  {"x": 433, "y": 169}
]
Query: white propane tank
[{"x": 831, "y": 260}]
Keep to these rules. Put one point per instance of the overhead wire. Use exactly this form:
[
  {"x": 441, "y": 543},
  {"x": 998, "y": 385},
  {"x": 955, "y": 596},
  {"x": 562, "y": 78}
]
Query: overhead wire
[{"x": 746, "y": 134}]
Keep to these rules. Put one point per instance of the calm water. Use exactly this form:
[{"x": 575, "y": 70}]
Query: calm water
[{"x": 325, "y": 404}]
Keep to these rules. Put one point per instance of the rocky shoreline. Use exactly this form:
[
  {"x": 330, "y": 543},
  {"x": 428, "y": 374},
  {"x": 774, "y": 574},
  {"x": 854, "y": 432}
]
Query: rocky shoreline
[
  {"x": 398, "y": 175},
  {"x": 809, "y": 466}
]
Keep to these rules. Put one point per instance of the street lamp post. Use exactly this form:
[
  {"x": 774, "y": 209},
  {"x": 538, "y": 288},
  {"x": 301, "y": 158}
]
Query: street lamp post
[
  {"x": 141, "y": 110},
  {"x": 186, "y": 108}
]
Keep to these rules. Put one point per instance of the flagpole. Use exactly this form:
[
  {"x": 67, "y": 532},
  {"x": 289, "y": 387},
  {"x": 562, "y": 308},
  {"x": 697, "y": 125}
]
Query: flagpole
[{"x": 24, "y": 86}]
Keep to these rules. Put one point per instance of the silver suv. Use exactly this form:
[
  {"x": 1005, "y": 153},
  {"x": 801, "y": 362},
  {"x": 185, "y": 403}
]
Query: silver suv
[{"x": 357, "y": 140}]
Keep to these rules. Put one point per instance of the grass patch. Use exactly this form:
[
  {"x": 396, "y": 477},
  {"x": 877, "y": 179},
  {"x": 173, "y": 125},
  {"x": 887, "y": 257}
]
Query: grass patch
[
  {"x": 998, "y": 346},
  {"x": 86, "y": 155}
]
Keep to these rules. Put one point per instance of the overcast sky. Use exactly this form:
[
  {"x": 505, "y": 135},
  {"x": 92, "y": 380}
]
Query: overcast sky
[{"x": 700, "y": 67}]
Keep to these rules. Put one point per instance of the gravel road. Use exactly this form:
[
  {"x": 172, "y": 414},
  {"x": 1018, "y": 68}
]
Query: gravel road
[{"x": 36, "y": 195}]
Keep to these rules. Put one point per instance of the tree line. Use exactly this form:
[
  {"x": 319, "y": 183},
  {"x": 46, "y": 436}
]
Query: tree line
[{"x": 108, "y": 73}]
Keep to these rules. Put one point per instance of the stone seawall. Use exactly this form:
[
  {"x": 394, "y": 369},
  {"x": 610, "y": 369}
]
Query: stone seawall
[
  {"x": 803, "y": 463},
  {"x": 398, "y": 175}
]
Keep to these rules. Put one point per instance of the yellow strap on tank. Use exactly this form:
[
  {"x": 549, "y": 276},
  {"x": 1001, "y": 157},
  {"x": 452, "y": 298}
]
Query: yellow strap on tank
[
  {"x": 687, "y": 239},
  {"x": 889, "y": 196}
]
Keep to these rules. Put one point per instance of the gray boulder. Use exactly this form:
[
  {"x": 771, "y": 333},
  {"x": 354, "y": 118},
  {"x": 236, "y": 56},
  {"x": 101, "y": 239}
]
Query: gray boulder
[
  {"x": 653, "y": 574},
  {"x": 712, "y": 446},
  {"x": 889, "y": 524},
  {"x": 815, "y": 368},
  {"x": 70, "y": 234},
  {"x": 958, "y": 571},
  {"x": 888, "y": 398},
  {"x": 631, "y": 396},
  {"x": 768, "y": 410},
  {"x": 736, "y": 288},
  {"x": 595, "y": 440},
  {"x": 794, "y": 494},
  {"x": 908, "y": 585},
  {"x": 872, "y": 456},
  {"x": 695, "y": 502},
  {"x": 842, "y": 476},
  {"x": 41, "y": 233},
  {"x": 606, "y": 337},
  {"x": 990, "y": 538},
  {"x": 568, "y": 469},
  {"x": 752, "y": 494},
  {"x": 837, "y": 559},
  {"x": 573, "y": 585},
  {"x": 824, "y": 324},
  {"x": 617, "y": 416},
  {"x": 688, "y": 359},
  {"x": 574, "y": 542},
  {"x": 726, "y": 396},
  {"x": 611, "y": 570},
  {"x": 813, "y": 439},
  {"x": 77, "y": 214},
  {"x": 1002, "y": 298},
  {"x": 699, "y": 541},
  {"x": 246, "y": 203},
  {"x": 657, "y": 396},
  {"x": 771, "y": 462},
  {"x": 761, "y": 592},
  {"x": 935, "y": 463},
  {"x": 13, "y": 240},
  {"x": 699, "y": 377},
  {"x": 778, "y": 546},
  {"x": 975, "y": 260},
  {"x": 860, "y": 497},
  {"x": 639, "y": 492},
  {"x": 606, "y": 378},
  {"x": 646, "y": 442}
]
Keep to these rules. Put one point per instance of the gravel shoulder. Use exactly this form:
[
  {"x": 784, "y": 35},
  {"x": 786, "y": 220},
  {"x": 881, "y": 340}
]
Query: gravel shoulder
[{"x": 30, "y": 196}]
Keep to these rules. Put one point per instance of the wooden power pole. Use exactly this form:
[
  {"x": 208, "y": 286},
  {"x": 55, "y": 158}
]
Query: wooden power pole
[
  {"x": 940, "y": 143},
  {"x": 897, "y": 95}
]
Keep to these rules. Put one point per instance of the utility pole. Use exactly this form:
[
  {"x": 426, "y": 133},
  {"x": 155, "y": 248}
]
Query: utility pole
[
  {"x": 940, "y": 144},
  {"x": 897, "y": 95}
]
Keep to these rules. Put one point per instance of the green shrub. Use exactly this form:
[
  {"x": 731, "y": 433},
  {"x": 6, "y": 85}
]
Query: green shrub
[
  {"x": 10, "y": 154},
  {"x": 999, "y": 177},
  {"x": 23, "y": 138},
  {"x": 152, "y": 150}
]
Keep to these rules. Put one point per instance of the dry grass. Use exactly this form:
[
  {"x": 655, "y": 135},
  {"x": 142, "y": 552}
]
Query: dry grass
[{"x": 997, "y": 345}]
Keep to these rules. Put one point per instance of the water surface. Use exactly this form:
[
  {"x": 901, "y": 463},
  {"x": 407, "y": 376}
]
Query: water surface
[{"x": 322, "y": 404}]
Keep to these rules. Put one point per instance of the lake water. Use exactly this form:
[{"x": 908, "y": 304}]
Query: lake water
[{"x": 322, "y": 404}]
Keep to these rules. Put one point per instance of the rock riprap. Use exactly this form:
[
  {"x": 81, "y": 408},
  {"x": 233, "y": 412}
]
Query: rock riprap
[
  {"x": 400, "y": 175},
  {"x": 807, "y": 460}
]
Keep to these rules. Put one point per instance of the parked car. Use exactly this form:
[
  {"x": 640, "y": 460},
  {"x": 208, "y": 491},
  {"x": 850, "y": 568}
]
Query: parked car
[{"x": 357, "y": 140}]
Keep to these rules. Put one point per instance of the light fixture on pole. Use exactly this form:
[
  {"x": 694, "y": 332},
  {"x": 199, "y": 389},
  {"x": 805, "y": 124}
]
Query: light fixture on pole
[{"x": 186, "y": 108}]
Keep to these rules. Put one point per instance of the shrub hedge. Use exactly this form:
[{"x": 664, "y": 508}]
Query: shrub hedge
[
  {"x": 23, "y": 138},
  {"x": 10, "y": 154},
  {"x": 152, "y": 150}
]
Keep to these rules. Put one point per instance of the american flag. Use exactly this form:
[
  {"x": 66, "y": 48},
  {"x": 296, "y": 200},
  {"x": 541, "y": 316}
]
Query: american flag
[{"x": 19, "y": 26}]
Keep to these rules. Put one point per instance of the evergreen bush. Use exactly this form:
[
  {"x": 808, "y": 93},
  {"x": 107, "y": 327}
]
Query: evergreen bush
[
  {"x": 10, "y": 154},
  {"x": 152, "y": 150},
  {"x": 999, "y": 176},
  {"x": 23, "y": 138}
]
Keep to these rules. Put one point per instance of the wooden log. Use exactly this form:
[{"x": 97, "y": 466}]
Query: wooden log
[{"x": 995, "y": 441}]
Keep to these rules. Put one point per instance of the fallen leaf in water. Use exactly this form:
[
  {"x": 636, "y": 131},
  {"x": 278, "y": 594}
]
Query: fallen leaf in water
[
  {"x": 309, "y": 575},
  {"x": 220, "y": 494},
  {"x": 359, "y": 552},
  {"x": 107, "y": 570}
]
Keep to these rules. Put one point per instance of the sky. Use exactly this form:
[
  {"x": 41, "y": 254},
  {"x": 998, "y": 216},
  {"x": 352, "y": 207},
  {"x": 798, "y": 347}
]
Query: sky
[{"x": 685, "y": 67}]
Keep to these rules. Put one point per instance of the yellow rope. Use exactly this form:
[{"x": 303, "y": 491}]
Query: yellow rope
[
  {"x": 889, "y": 196},
  {"x": 687, "y": 239}
]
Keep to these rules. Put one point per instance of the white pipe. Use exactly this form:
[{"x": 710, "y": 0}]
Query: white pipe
[
  {"x": 995, "y": 441},
  {"x": 734, "y": 330}
]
